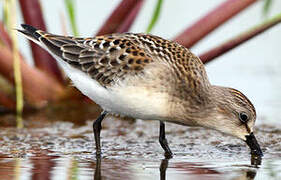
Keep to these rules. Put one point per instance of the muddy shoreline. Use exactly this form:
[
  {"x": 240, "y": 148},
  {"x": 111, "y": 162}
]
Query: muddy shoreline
[{"x": 131, "y": 149}]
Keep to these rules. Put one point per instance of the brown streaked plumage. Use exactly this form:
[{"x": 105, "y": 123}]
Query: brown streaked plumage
[
  {"x": 147, "y": 77},
  {"x": 108, "y": 57}
]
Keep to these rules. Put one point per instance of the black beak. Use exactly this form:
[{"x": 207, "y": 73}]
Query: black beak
[{"x": 254, "y": 145}]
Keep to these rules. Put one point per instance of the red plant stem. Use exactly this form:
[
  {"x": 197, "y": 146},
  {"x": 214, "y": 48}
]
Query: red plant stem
[
  {"x": 37, "y": 87},
  {"x": 211, "y": 21},
  {"x": 4, "y": 36},
  {"x": 7, "y": 102},
  {"x": 127, "y": 23},
  {"x": 32, "y": 14},
  {"x": 236, "y": 41},
  {"x": 117, "y": 17}
]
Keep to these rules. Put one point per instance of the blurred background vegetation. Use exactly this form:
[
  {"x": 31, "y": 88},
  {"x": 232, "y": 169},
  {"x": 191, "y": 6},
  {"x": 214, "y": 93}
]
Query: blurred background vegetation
[
  {"x": 40, "y": 86},
  {"x": 34, "y": 91}
]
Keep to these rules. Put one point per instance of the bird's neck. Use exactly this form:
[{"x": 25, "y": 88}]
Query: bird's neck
[{"x": 193, "y": 111}]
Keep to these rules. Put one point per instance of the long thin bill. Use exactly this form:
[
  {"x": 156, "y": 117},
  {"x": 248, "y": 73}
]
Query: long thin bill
[{"x": 254, "y": 145}]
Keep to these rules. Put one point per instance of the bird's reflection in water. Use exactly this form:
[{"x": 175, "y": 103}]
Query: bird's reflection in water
[
  {"x": 186, "y": 169},
  {"x": 196, "y": 171},
  {"x": 163, "y": 167},
  {"x": 97, "y": 174},
  {"x": 256, "y": 160},
  {"x": 251, "y": 174},
  {"x": 246, "y": 175}
]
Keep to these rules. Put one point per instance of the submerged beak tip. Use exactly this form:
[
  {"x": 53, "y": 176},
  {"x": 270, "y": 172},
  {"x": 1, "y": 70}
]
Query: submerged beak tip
[{"x": 257, "y": 153}]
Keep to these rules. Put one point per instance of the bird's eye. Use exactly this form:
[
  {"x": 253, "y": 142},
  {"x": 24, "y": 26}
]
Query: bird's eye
[{"x": 243, "y": 117}]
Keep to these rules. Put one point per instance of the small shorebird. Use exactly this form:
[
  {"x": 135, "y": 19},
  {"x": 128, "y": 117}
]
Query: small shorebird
[{"x": 146, "y": 77}]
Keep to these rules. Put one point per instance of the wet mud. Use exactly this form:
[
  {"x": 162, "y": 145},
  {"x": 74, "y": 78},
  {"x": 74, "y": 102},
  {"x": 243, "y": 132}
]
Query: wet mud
[{"x": 130, "y": 150}]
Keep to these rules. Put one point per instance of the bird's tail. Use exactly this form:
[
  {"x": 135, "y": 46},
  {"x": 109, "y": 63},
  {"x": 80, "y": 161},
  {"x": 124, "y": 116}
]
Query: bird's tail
[
  {"x": 51, "y": 43},
  {"x": 31, "y": 33}
]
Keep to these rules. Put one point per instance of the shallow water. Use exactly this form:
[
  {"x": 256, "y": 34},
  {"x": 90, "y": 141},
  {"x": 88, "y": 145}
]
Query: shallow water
[{"x": 62, "y": 150}]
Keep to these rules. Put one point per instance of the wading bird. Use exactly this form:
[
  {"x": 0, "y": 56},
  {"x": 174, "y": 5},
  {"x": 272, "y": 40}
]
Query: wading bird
[{"x": 146, "y": 77}]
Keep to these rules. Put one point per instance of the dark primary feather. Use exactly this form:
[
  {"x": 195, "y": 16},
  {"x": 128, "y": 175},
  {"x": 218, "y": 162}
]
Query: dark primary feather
[{"x": 30, "y": 31}]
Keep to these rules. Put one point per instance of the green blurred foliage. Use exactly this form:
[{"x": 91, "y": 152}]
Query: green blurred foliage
[
  {"x": 70, "y": 7},
  {"x": 155, "y": 16},
  {"x": 266, "y": 7}
]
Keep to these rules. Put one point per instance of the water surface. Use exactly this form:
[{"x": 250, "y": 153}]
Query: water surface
[{"x": 63, "y": 150}]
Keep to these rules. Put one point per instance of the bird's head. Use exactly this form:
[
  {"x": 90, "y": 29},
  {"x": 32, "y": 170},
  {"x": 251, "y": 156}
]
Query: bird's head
[{"x": 235, "y": 115}]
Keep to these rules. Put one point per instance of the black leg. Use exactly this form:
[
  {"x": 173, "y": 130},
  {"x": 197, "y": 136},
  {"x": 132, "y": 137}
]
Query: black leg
[
  {"x": 163, "y": 141},
  {"x": 97, "y": 129}
]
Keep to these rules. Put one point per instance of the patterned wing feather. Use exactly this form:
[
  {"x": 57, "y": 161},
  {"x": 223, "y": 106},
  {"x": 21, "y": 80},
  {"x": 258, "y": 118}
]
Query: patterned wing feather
[
  {"x": 104, "y": 58},
  {"x": 111, "y": 57}
]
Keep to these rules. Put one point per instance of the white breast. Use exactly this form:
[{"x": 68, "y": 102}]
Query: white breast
[{"x": 123, "y": 99}]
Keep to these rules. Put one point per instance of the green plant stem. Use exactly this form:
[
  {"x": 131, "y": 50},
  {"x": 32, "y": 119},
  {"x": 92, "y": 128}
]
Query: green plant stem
[
  {"x": 155, "y": 16},
  {"x": 266, "y": 7},
  {"x": 5, "y": 12},
  {"x": 71, "y": 14},
  {"x": 16, "y": 62}
]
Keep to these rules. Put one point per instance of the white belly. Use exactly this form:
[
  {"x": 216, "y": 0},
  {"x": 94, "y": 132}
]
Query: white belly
[{"x": 123, "y": 99}]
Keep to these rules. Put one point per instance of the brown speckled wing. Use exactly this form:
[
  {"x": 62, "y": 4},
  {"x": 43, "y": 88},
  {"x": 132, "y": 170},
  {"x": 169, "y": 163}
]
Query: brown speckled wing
[
  {"x": 104, "y": 58},
  {"x": 111, "y": 57},
  {"x": 187, "y": 67}
]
